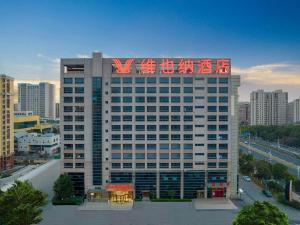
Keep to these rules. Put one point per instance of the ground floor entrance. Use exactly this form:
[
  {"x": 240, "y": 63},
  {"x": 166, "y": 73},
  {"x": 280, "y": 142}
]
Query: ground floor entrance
[{"x": 120, "y": 193}]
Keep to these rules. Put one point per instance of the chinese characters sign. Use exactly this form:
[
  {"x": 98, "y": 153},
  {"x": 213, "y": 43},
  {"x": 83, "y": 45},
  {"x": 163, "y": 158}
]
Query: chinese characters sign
[{"x": 171, "y": 66}]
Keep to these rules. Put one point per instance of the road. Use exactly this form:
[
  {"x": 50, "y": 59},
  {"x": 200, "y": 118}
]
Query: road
[
  {"x": 253, "y": 193},
  {"x": 16, "y": 175}
]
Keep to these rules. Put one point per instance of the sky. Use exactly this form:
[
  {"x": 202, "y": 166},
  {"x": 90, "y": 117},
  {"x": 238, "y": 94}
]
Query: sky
[{"x": 262, "y": 37}]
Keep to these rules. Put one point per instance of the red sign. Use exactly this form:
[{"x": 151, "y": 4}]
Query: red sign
[
  {"x": 172, "y": 66},
  {"x": 119, "y": 187}
]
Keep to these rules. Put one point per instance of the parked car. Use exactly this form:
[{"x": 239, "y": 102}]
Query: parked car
[
  {"x": 247, "y": 178},
  {"x": 267, "y": 193}
]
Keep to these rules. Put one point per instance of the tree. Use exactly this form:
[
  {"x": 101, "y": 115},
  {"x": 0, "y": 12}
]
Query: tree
[
  {"x": 263, "y": 170},
  {"x": 279, "y": 171},
  {"x": 246, "y": 163},
  {"x": 63, "y": 187},
  {"x": 261, "y": 213},
  {"x": 21, "y": 204}
]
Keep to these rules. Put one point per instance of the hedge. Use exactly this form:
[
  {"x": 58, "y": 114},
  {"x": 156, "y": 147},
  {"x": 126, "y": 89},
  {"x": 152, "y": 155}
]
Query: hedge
[{"x": 68, "y": 201}]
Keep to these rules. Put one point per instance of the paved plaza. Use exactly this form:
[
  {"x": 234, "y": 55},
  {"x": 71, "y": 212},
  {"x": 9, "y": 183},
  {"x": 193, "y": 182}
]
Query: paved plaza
[{"x": 143, "y": 213}]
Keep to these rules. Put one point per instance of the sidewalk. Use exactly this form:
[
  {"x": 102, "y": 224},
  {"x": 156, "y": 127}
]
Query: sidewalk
[
  {"x": 214, "y": 204},
  {"x": 104, "y": 206}
]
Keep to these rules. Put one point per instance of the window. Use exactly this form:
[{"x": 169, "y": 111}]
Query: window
[
  {"x": 175, "y": 108},
  {"x": 79, "y": 127},
  {"x": 211, "y": 127},
  {"x": 175, "y": 89},
  {"x": 127, "y": 137},
  {"x": 79, "y": 108},
  {"x": 127, "y": 156},
  {"x": 151, "y": 89},
  {"x": 164, "y": 80},
  {"x": 164, "y": 108},
  {"x": 211, "y": 146},
  {"x": 68, "y": 137},
  {"x": 116, "y": 155},
  {"x": 68, "y": 108},
  {"x": 115, "y": 90},
  {"x": 223, "y": 99},
  {"x": 151, "y": 108},
  {"x": 127, "y": 146},
  {"x": 79, "y": 80},
  {"x": 115, "y": 99},
  {"x": 223, "y": 127},
  {"x": 211, "y": 99},
  {"x": 127, "y": 118},
  {"x": 140, "y": 127},
  {"x": 223, "y": 118},
  {"x": 127, "y": 165},
  {"x": 211, "y": 165},
  {"x": 175, "y": 127},
  {"x": 164, "y": 137},
  {"x": 115, "y": 137},
  {"x": 188, "y": 99},
  {"x": 211, "y": 90},
  {"x": 222, "y": 164},
  {"x": 127, "y": 127},
  {"x": 115, "y": 147},
  {"x": 164, "y": 118},
  {"x": 211, "y": 118},
  {"x": 188, "y": 165},
  {"x": 163, "y": 127},
  {"x": 211, "y": 137},
  {"x": 127, "y": 99},
  {"x": 139, "y": 99},
  {"x": 188, "y": 118},
  {"x": 175, "y": 156},
  {"x": 188, "y": 89},
  {"x": 223, "y": 90},
  {"x": 175, "y": 118},
  {"x": 188, "y": 127},
  {"x": 164, "y": 165},
  {"x": 151, "y": 146},
  {"x": 223, "y": 108},
  {"x": 175, "y": 165},
  {"x": 223, "y": 80},
  {"x": 68, "y": 90},
  {"x": 223, "y": 136},
  {"x": 140, "y": 146},
  {"x": 127, "y": 80},
  {"x": 68, "y": 127},
  {"x": 175, "y": 80},
  {"x": 140, "y": 108},
  {"x": 116, "y": 108},
  {"x": 68, "y": 118},
  {"x": 188, "y": 155},
  {"x": 188, "y": 146},
  {"x": 151, "y": 80},
  {"x": 164, "y": 146},
  {"x": 164, "y": 155},
  {"x": 140, "y": 155},
  {"x": 79, "y": 118},
  {"x": 139, "y": 89},
  {"x": 211, "y": 80},
  {"x": 140, "y": 137},
  {"x": 115, "y": 80},
  {"x": 140, "y": 80},
  {"x": 211, "y": 155},
  {"x": 68, "y": 99},
  {"x": 188, "y": 137},
  {"x": 188, "y": 108},
  {"x": 68, "y": 80},
  {"x": 175, "y": 137},
  {"x": 151, "y": 156},
  {"x": 151, "y": 165},
  {"x": 126, "y": 90},
  {"x": 164, "y": 90},
  {"x": 139, "y": 118},
  {"x": 151, "y": 137},
  {"x": 175, "y": 99},
  {"x": 127, "y": 108},
  {"x": 175, "y": 146},
  {"x": 116, "y": 165},
  {"x": 223, "y": 146},
  {"x": 79, "y": 99},
  {"x": 151, "y": 99},
  {"x": 115, "y": 127},
  {"x": 151, "y": 127},
  {"x": 164, "y": 99},
  {"x": 151, "y": 118},
  {"x": 188, "y": 80},
  {"x": 212, "y": 108}
]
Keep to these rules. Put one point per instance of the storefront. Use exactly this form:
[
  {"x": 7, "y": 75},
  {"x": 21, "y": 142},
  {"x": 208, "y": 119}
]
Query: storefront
[
  {"x": 120, "y": 193},
  {"x": 216, "y": 190}
]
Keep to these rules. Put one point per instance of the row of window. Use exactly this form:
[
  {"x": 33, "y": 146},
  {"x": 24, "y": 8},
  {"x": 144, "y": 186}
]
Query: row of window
[
  {"x": 71, "y": 155},
  {"x": 70, "y": 137},
  {"x": 164, "y": 108},
  {"x": 77, "y": 99},
  {"x": 166, "y": 80},
  {"x": 75, "y": 127},
  {"x": 151, "y": 118},
  {"x": 70, "y": 90},
  {"x": 173, "y": 99},
  {"x": 151, "y": 156},
  {"x": 167, "y": 146},
  {"x": 149, "y": 90},
  {"x": 70, "y": 80},
  {"x": 79, "y": 118},
  {"x": 74, "y": 109},
  {"x": 71, "y": 146}
]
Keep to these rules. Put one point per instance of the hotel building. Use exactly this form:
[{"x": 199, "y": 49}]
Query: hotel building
[
  {"x": 156, "y": 127},
  {"x": 6, "y": 123}
]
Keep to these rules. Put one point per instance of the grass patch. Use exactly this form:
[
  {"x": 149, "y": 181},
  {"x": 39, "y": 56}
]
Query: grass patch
[
  {"x": 171, "y": 200},
  {"x": 77, "y": 200}
]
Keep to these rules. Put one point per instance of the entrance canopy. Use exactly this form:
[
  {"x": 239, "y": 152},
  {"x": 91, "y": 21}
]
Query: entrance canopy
[{"x": 119, "y": 187}]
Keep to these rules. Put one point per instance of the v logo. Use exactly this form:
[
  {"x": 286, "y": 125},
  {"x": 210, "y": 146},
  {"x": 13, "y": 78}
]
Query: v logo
[{"x": 123, "y": 68}]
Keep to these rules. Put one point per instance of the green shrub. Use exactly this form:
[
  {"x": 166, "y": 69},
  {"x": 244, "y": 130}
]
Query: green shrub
[
  {"x": 76, "y": 200},
  {"x": 275, "y": 187}
]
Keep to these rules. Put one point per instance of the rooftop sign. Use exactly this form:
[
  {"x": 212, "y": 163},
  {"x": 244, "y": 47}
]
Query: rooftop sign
[{"x": 171, "y": 66}]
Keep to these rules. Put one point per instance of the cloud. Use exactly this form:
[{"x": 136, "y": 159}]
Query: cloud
[
  {"x": 270, "y": 74},
  {"x": 270, "y": 77},
  {"x": 83, "y": 56},
  {"x": 40, "y": 56}
]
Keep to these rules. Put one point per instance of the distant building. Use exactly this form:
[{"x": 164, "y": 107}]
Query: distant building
[
  {"x": 23, "y": 113},
  {"x": 38, "y": 98},
  {"x": 296, "y": 111},
  {"x": 6, "y": 123},
  {"x": 244, "y": 112},
  {"x": 269, "y": 108},
  {"x": 29, "y": 123},
  {"x": 37, "y": 143},
  {"x": 290, "y": 112},
  {"x": 57, "y": 110}
]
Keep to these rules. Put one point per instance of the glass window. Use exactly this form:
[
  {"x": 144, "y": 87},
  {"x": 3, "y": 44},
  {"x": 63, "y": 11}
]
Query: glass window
[
  {"x": 211, "y": 90},
  {"x": 164, "y": 90},
  {"x": 151, "y": 146},
  {"x": 140, "y": 80},
  {"x": 175, "y": 80},
  {"x": 188, "y": 127},
  {"x": 151, "y": 99},
  {"x": 212, "y": 108},
  {"x": 211, "y": 118},
  {"x": 188, "y": 137},
  {"x": 151, "y": 108},
  {"x": 188, "y": 108},
  {"x": 116, "y": 137},
  {"x": 127, "y": 99},
  {"x": 68, "y": 80},
  {"x": 116, "y": 147},
  {"x": 127, "y": 137},
  {"x": 79, "y": 99},
  {"x": 140, "y": 118},
  {"x": 223, "y": 80},
  {"x": 116, "y": 90},
  {"x": 164, "y": 118},
  {"x": 68, "y": 90},
  {"x": 140, "y": 108},
  {"x": 140, "y": 137},
  {"x": 139, "y": 89},
  {"x": 140, "y": 146},
  {"x": 115, "y": 80},
  {"x": 151, "y": 89},
  {"x": 175, "y": 146},
  {"x": 116, "y": 155},
  {"x": 188, "y": 89},
  {"x": 151, "y": 137},
  {"x": 68, "y": 108},
  {"x": 164, "y": 108},
  {"x": 164, "y": 80},
  {"x": 68, "y": 99},
  {"x": 223, "y": 127},
  {"x": 187, "y": 146},
  {"x": 127, "y": 80},
  {"x": 151, "y": 80},
  {"x": 175, "y": 108},
  {"x": 188, "y": 80},
  {"x": 115, "y": 99},
  {"x": 139, "y": 99},
  {"x": 163, "y": 127},
  {"x": 175, "y": 137},
  {"x": 164, "y": 155},
  {"x": 164, "y": 137},
  {"x": 139, "y": 127},
  {"x": 115, "y": 127},
  {"x": 139, "y": 155},
  {"x": 151, "y": 127},
  {"x": 127, "y": 108},
  {"x": 127, "y": 90},
  {"x": 223, "y": 118},
  {"x": 127, "y": 127},
  {"x": 175, "y": 118},
  {"x": 223, "y": 146},
  {"x": 151, "y": 118},
  {"x": 164, "y": 99},
  {"x": 127, "y": 118},
  {"x": 164, "y": 146},
  {"x": 188, "y": 155},
  {"x": 223, "y": 89},
  {"x": 211, "y": 146},
  {"x": 127, "y": 165},
  {"x": 140, "y": 165},
  {"x": 151, "y": 156},
  {"x": 223, "y": 108},
  {"x": 175, "y": 127},
  {"x": 211, "y": 137},
  {"x": 151, "y": 165},
  {"x": 211, "y": 127},
  {"x": 223, "y": 99},
  {"x": 116, "y": 108},
  {"x": 175, "y": 99},
  {"x": 175, "y": 89},
  {"x": 79, "y": 80},
  {"x": 211, "y": 80},
  {"x": 188, "y": 99},
  {"x": 211, "y": 99}
]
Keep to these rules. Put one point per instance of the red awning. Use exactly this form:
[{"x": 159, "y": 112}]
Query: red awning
[{"x": 119, "y": 187}]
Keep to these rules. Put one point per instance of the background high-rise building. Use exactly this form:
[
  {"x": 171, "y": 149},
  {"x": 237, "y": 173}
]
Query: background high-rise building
[
  {"x": 38, "y": 98},
  {"x": 244, "y": 113},
  {"x": 6, "y": 123},
  {"x": 296, "y": 110},
  {"x": 269, "y": 108},
  {"x": 166, "y": 131},
  {"x": 290, "y": 112},
  {"x": 57, "y": 110}
]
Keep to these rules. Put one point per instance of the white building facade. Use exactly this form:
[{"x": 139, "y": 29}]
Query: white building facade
[{"x": 160, "y": 124}]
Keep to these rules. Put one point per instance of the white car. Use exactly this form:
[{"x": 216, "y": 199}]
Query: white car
[{"x": 247, "y": 178}]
